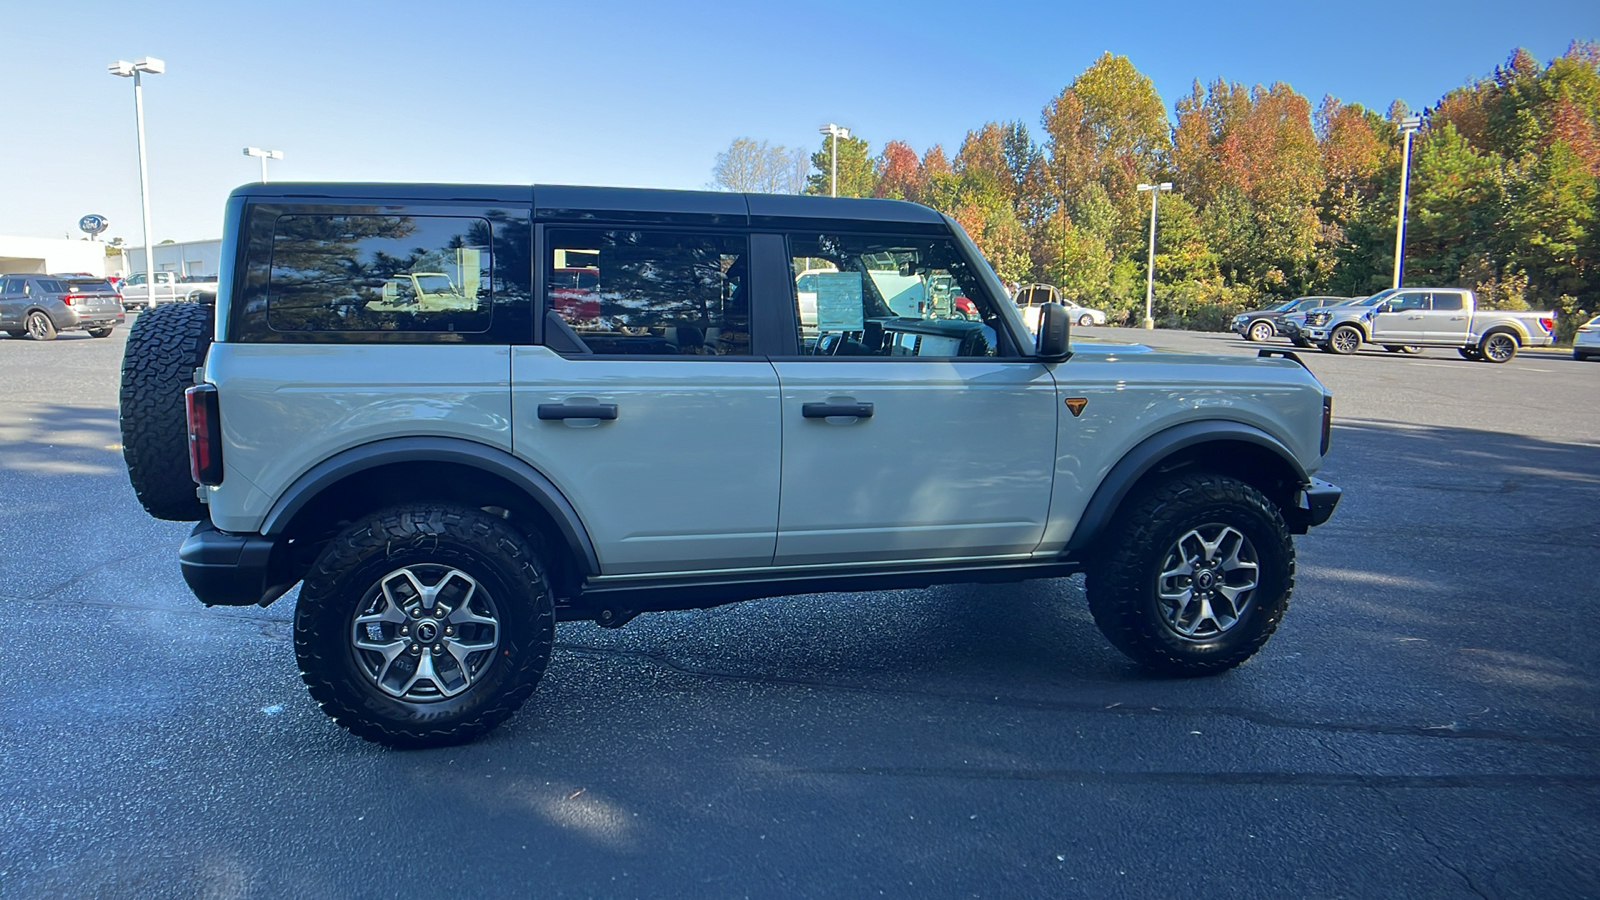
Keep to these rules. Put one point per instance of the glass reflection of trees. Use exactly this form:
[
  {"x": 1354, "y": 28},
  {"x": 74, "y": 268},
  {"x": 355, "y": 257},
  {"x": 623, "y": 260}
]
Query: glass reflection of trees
[
  {"x": 345, "y": 273},
  {"x": 649, "y": 283}
]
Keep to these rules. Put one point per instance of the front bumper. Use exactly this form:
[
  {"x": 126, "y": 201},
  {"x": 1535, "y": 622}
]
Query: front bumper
[
  {"x": 228, "y": 569},
  {"x": 1317, "y": 500}
]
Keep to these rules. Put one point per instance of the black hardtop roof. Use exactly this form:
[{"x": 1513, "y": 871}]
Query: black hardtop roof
[{"x": 612, "y": 203}]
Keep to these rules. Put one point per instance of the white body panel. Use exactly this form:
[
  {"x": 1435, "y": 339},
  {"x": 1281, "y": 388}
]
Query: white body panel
[
  {"x": 287, "y": 407},
  {"x": 955, "y": 461},
  {"x": 1135, "y": 393},
  {"x": 685, "y": 478}
]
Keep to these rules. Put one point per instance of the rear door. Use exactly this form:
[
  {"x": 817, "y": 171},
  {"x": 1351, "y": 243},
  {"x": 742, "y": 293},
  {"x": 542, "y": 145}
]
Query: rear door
[
  {"x": 909, "y": 438},
  {"x": 646, "y": 403},
  {"x": 1448, "y": 319}
]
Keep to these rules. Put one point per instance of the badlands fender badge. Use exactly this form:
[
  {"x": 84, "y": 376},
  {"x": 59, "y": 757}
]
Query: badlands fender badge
[{"x": 1076, "y": 404}]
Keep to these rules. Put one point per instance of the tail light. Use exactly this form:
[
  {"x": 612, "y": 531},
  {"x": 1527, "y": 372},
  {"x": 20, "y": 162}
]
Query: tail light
[
  {"x": 205, "y": 434},
  {"x": 1547, "y": 324},
  {"x": 1327, "y": 423}
]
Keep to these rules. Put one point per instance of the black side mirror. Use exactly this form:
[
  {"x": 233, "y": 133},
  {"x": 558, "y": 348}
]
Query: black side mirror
[{"x": 1055, "y": 333}]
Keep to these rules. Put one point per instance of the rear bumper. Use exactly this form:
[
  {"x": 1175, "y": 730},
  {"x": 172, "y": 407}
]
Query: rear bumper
[
  {"x": 1316, "y": 504},
  {"x": 228, "y": 569}
]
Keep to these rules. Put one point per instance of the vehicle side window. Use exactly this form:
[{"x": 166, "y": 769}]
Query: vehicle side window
[
  {"x": 1449, "y": 302},
  {"x": 649, "y": 292},
  {"x": 886, "y": 296},
  {"x": 1409, "y": 300},
  {"x": 366, "y": 273}
]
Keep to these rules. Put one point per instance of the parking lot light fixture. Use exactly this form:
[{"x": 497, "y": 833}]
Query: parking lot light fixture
[
  {"x": 265, "y": 155},
  {"x": 1408, "y": 127},
  {"x": 835, "y": 132},
  {"x": 124, "y": 69},
  {"x": 1150, "y": 268}
]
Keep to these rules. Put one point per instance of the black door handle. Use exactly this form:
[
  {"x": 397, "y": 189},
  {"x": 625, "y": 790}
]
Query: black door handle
[
  {"x": 548, "y": 411},
  {"x": 827, "y": 410}
]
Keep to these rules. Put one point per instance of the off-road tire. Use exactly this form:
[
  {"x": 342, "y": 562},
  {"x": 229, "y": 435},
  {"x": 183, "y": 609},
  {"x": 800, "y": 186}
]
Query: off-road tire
[
  {"x": 1260, "y": 331},
  {"x": 40, "y": 328},
  {"x": 347, "y": 572},
  {"x": 165, "y": 345},
  {"x": 100, "y": 332},
  {"x": 1122, "y": 584},
  {"x": 1340, "y": 340},
  {"x": 1498, "y": 347}
]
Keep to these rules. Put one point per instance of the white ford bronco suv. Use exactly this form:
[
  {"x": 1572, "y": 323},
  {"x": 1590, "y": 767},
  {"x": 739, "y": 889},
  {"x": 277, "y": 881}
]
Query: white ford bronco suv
[{"x": 447, "y": 480}]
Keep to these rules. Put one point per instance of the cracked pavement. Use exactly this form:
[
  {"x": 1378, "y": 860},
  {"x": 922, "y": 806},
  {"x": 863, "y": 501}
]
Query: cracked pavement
[{"x": 1425, "y": 723}]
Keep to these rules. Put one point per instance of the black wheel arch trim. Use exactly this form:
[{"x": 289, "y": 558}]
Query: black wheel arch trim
[
  {"x": 1150, "y": 452},
  {"x": 437, "y": 449}
]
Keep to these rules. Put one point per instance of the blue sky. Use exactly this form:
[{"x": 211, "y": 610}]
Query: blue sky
[{"x": 635, "y": 93}]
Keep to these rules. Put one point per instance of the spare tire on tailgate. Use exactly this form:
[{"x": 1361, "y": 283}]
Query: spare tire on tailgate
[{"x": 166, "y": 344}]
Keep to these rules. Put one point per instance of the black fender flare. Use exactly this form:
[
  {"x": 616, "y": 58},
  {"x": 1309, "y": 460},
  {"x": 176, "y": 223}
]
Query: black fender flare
[
  {"x": 436, "y": 449},
  {"x": 1149, "y": 453}
]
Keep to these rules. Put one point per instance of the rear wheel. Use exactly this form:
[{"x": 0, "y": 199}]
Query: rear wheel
[
  {"x": 1195, "y": 576},
  {"x": 40, "y": 328},
  {"x": 1345, "y": 340},
  {"x": 424, "y": 626},
  {"x": 1497, "y": 347},
  {"x": 1261, "y": 331}
]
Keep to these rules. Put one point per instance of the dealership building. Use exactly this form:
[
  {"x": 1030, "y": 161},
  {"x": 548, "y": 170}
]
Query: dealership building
[{"x": 45, "y": 256}]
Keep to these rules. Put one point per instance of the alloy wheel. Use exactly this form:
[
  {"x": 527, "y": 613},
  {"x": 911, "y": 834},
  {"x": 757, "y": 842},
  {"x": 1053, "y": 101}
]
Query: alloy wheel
[
  {"x": 425, "y": 633},
  {"x": 1208, "y": 580}
]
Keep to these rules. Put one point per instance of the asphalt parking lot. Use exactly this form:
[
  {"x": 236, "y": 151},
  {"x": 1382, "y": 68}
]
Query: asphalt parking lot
[{"x": 1426, "y": 723}]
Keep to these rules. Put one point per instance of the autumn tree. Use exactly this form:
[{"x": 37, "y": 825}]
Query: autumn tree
[{"x": 755, "y": 166}]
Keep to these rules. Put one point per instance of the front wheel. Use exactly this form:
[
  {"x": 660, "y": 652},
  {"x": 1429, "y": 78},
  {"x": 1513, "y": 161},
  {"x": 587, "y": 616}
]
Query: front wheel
[
  {"x": 1195, "y": 576},
  {"x": 1497, "y": 347},
  {"x": 424, "y": 626},
  {"x": 1345, "y": 340},
  {"x": 1262, "y": 331}
]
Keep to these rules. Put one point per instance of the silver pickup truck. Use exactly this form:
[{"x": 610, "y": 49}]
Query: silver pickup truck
[{"x": 1429, "y": 317}]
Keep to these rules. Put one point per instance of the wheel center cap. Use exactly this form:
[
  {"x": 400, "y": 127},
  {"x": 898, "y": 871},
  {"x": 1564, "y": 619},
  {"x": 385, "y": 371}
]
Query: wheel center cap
[
  {"x": 427, "y": 631},
  {"x": 1205, "y": 580}
]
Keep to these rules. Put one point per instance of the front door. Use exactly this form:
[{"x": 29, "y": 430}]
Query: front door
[
  {"x": 1405, "y": 323},
  {"x": 646, "y": 407},
  {"x": 909, "y": 437}
]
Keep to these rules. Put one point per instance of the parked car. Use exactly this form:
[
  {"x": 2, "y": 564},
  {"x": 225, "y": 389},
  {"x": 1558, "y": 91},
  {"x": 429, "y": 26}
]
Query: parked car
[
  {"x": 41, "y": 306},
  {"x": 1032, "y": 297},
  {"x": 1586, "y": 343},
  {"x": 1262, "y": 324},
  {"x": 446, "y": 484},
  {"x": 1429, "y": 317},
  {"x": 169, "y": 287}
]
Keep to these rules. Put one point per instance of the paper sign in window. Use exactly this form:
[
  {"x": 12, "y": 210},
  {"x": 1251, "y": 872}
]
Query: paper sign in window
[{"x": 838, "y": 301}]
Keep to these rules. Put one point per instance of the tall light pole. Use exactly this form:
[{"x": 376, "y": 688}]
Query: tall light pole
[
  {"x": 1150, "y": 268},
  {"x": 1408, "y": 127},
  {"x": 124, "y": 69},
  {"x": 836, "y": 132},
  {"x": 265, "y": 155}
]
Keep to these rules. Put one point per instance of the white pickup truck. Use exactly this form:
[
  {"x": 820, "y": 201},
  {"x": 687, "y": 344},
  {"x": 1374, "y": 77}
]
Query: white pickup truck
[
  {"x": 1429, "y": 317},
  {"x": 169, "y": 286}
]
